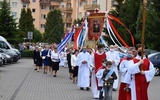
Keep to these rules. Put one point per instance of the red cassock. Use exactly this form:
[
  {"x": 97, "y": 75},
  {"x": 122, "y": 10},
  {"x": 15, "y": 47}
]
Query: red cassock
[
  {"x": 98, "y": 63},
  {"x": 124, "y": 95},
  {"x": 141, "y": 85}
]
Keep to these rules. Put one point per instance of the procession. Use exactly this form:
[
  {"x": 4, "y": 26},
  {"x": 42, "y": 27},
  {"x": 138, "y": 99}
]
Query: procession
[
  {"x": 101, "y": 54},
  {"x": 99, "y": 67}
]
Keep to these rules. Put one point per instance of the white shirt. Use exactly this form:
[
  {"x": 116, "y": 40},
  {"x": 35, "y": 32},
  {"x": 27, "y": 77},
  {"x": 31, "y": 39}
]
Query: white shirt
[
  {"x": 73, "y": 60},
  {"x": 54, "y": 56}
]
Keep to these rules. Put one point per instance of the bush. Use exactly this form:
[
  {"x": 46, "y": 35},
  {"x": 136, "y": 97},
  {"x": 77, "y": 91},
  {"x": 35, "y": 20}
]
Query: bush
[{"x": 28, "y": 53}]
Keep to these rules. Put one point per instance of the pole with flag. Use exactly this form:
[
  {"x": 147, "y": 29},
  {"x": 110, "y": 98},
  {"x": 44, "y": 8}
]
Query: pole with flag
[{"x": 143, "y": 27}]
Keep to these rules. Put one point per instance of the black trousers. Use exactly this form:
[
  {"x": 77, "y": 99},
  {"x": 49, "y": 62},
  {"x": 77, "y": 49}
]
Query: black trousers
[{"x": 75, "y": 71}]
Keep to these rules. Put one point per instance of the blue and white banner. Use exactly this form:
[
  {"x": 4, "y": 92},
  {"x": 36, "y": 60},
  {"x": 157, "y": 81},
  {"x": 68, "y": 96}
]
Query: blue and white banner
[{"x": 65, "y": 41}]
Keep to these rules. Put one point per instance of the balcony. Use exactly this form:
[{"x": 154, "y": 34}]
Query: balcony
[
  {"x": 91, "y": 6},
  {"x": 67, "y": 20},
  {"x": 66, "y": 0},
  {"x": 66, "y": 9},
  {"x": 25, "y": 1},
  {"x": 44, "y": 2}
]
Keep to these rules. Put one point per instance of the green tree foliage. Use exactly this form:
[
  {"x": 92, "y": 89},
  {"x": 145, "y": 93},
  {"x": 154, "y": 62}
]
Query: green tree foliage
[
  {"x": 127, "y": 12},
  {"x": 25, "y": 24},
  {"x": 54, "y": 27},
  {"x": 7, "y": 23},
  {"x": 37, "y": 36}
]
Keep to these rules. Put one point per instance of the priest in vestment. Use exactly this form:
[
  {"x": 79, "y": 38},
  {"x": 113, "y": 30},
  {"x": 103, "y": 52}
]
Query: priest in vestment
[
  {"x": 84, "y": 63},
  {"x": 142, "y": 72},
  {"x": 97, "y": 63},
  {"x": 113, "y": 56}
]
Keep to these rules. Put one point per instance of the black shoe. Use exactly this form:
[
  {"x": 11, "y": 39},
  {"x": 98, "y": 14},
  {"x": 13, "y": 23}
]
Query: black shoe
[
  {"x": 35, "y": 69},
  {"x": 81, "y": 88},
  {"x": 114, "y": 90},
  {"x": 87, "y": 88},
  {"x": 54, "y": 75}
]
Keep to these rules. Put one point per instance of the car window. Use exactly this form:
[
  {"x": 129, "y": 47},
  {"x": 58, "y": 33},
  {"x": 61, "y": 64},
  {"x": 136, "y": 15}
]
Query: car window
[
  {"x": 3, "y": 45},
  {"x": 156, "y": 57}
]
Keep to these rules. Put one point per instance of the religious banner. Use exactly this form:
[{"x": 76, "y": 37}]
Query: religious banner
[{"x": 96, "y": 23}]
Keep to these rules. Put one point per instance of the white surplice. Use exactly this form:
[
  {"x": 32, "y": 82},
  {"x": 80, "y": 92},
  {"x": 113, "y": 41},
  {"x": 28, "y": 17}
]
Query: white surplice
[
  {"x": 114, "y": 56},
  {"x": 134, "y": 69},
  {"x": 84, "y": 69}
]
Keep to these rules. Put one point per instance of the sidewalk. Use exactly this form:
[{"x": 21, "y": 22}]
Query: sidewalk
[{"x": 20, "y": 81}]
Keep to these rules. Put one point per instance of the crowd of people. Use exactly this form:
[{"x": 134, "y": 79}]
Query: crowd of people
[{"x": 98, "y": 70}]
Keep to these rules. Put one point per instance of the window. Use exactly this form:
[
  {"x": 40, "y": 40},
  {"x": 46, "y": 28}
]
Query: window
[
  {"x": 43, "y": 7},
  {"x": 24, "y": 5},
  {"x": 14, "y": 4},
  {"x": 85, "y": 3},
  {"x": 112, "y": 2},
  {"x": 94, "y": 1},
  {"x": 33, "y": 0},
  {"x": 14, "y": 14},
  {"x": 62, "y": 6},
  {"x": 3, "y": 45},
  {"x": 51, "y": 7},
  {"x": 42, "y": 26},
  {"x": 80, "y": 15},
  {"x": 68, "y": 25},
  {"x": 34, "y": 19},
  {"x": 33, "y": 10},
  {"x": 43, "y": 16},
  {"x": 80, "y": 4}
]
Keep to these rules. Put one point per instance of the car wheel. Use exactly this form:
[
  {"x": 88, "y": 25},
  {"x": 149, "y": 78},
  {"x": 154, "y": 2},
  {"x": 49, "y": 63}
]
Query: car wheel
[{"x": 157, "y": 71}]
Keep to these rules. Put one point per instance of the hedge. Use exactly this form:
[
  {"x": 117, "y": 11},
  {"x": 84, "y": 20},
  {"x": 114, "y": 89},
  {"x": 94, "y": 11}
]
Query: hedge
[{"x": 28, "y": 53}]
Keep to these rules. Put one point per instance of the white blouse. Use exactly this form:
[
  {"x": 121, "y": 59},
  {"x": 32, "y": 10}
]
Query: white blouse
[
  {"x": 73, "y": 60},
  {"x": 55, "y": 56}
]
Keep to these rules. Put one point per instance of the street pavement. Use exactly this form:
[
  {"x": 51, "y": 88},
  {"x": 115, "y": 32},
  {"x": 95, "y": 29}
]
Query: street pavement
[{"x": 19, "y": 81}]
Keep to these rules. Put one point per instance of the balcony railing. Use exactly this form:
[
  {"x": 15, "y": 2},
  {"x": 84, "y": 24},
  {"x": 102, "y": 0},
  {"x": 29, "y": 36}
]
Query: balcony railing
[
  {"x": 67, "y": 20},
  {"x": 66, "y": 9},
  {"x": 91, "y": 6},
  {"x": 66, "y": 0}
]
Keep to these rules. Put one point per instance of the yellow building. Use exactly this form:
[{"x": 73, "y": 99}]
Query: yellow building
[{"x": 71, "y": 9}]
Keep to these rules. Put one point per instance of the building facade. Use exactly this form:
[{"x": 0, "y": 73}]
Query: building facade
[{"x": 71, "y": 9}]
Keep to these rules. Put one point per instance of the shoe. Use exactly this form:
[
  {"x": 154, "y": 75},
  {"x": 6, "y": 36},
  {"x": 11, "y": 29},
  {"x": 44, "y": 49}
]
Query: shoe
[
  {"x": 114, "y": 90},
  {"x": 81, "y": 88},
  {"x": 35, "y": 69},
  {"x": 54, "y": 75},
  {"x": 87, "y": 88}
]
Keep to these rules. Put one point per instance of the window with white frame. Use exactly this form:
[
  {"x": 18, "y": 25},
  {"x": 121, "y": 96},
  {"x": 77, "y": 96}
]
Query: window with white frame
[
  {"x": 51, "y": 7},
  {"x": 43, "y": 16},
  {"x": 42, "y": 26},
  {"x": 80, "y": 4},
  {"x": 14, "y": 14},
  {"x": 112, "y": 2},
  {"x": 43, "y": 7},
  {"x": 24, "y": 5},
  {"x": 14, "y": 4},
  {"x": 94, "y": 1},
  {"x": 80, "y": 15}
]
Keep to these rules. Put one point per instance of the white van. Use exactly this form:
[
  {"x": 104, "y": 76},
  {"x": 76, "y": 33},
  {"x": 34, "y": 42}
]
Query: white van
[{"x": 4, "y": 44}]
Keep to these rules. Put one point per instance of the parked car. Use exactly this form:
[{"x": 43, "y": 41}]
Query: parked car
[
  {"x": 1, "y": 60},
  {"x": 5, "y": 45},
  {"x": 6, "y": 58},
  {"x": 150, "y": 51},
  {"x": 13, "y": 55},
  {"x": 155, "y": 59}
]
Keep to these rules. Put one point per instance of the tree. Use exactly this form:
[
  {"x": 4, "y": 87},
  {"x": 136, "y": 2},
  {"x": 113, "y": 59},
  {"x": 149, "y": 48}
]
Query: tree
[
  {"x": 37, "y": 35},
  {"x": 54, "y": 27},
  {"x": 25, "y": 23},
  {"x": 7, "y": 22},
  {"x": 127, "y": 12}
]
